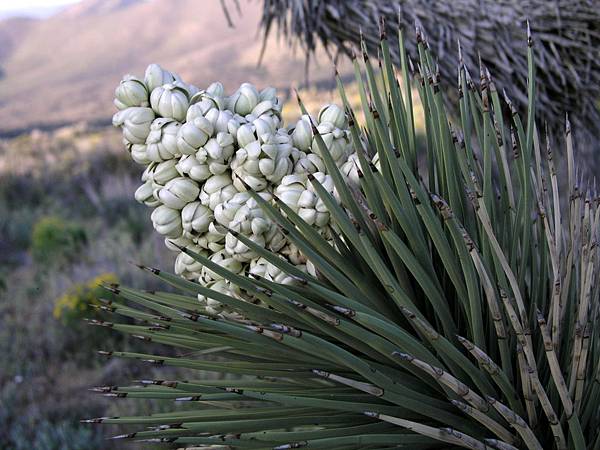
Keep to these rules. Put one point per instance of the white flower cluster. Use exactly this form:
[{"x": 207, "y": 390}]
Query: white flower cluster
[{"x": 202, "y": 148}]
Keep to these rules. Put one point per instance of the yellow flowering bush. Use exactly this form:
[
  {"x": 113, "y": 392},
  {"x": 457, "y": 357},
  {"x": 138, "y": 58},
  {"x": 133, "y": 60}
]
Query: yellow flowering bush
[{"x": 80, "y": 297}]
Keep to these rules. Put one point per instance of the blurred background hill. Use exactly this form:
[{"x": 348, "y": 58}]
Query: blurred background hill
[
  {"x": 68, "y": 219},
  {"x": 64, "y": 68}
]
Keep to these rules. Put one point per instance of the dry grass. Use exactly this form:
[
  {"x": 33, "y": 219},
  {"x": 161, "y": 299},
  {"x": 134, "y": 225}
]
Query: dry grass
[{"x": 82, "y": 176}]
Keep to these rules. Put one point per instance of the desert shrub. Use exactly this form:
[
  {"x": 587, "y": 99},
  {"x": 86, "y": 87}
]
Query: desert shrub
[
  {"x": 53, "y": 240},
  {"x": 80, "y": 299}
]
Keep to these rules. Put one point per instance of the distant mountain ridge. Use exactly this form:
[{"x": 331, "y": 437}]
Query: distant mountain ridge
[{"x": 64, "y": 69}]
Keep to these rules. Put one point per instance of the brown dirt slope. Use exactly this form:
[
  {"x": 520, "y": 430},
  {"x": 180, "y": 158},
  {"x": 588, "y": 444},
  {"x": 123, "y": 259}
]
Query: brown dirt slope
[{"x": 64, "y": 69}]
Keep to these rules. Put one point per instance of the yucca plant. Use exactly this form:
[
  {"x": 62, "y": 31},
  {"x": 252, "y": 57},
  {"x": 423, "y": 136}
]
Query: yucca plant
[{"x": 458, "y": 307}]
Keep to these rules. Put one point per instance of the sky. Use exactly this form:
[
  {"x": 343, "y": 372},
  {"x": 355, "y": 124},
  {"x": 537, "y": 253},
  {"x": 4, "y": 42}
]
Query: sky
[{"x": 32, "y": 8}]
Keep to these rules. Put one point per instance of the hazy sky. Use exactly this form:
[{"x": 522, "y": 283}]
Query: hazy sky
[{"x": 31, "y": 8}]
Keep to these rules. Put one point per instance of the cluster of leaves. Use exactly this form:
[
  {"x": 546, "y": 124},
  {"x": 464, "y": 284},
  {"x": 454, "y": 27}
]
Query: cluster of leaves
[{"x": 458, "y": 308}]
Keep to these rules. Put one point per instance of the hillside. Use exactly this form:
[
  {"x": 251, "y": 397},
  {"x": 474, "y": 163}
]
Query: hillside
[
  {"x": 12, "y": 31},
  {"x": 64, "y": 69}
]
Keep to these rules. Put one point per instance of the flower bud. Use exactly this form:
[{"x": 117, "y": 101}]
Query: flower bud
[
  {"x": 263, "y": 126},
  {"x": 144, "y": 194},
  {"x": 131, "y": 91},
  {"x": 246, "y": 135},
  {"x": 266, "y": 109},
  {"x": 186, "y": 266},
  {"x": 308, "y": 215},
  {"x": 161, "y": 173},
  {"x": 266, "y": 166},
  {"x": 216, "y": 89},
  {"x": 275, "y": 274},
  {"x": 217, "y": 153},
  {"x": 167, "y": 221},
  {"x": 262, "y": 160},
  {"x": 259, "y": 225},
  {"x": 258, "y": 266},
  {"x": 224, "y": 260},
  {"x": 336, "y": 141},
  {"x": 311, "y": 269},
  {"x": 219, "y": 119},
  {"x": 234, "y": 124},
  {"x": 275, "y": 239},
  {"x": 302, "y": 134},
  {"x": 139, "y": 153},
  {"x": 250, "y": 220},
  {"x": 269, "y": 93},
  {"x": 190, "y": 166},
  {"x": 196, "y": 218},
  {"x": 179, "y": 192},
  {"x": 162, "y": 140},
  {"x": 307, "y": 199},
  {"x": 223, "y": 148},
  {"x": 293, "y": 254},
  {"x": 245, "y": 168},
  {"x": 225, "y": 212},
  {"x": 321, "y": 218},
  {"x": 244, "y": 100},
  {"x": 217, "y": 189},
  {"x": 213, "y": 239},
  {"x": 200, "y": 108},
  {"x": 170, "y": 101},
  {"x": 215, "y": 307},
  {"x": 135, "y": 122},
  {"x": 278, "y": 147},
  {"x": 238, "y": 250},
  {"x": 262, "y": 108},
  {"x": 309, "y": 163},
  {"x": 299, "y": 194},
  {"x": 324, "y": 180},
  {"x": 350, "y": 170},
  {"x": 256, "y": 183},
  {"x": 283, "y": 278},
  {"x": 156, "y": 76},
  {"x": 290, "y": 189},
  {"x": 193, "y": 135},
  {"x": 334, "y": 115}
]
